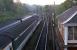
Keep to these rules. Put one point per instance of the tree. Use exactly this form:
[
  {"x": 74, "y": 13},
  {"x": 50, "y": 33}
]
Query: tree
[
  {"x": 66, "y": 5},
  {"x": 6, "y": 5}
]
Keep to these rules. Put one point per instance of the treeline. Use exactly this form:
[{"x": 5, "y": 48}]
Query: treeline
[
  {"x": 6, "y": 9},
  {"x": 65, "y": 5},
  {"x": 10, "y": 10}
]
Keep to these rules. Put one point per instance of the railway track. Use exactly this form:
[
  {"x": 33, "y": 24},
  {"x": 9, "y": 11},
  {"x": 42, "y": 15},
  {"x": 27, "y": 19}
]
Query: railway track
[
  {"x": 38, "y": 40},
  {"x": 31, "y": 44},
  {"x": 42, "y": 41}
]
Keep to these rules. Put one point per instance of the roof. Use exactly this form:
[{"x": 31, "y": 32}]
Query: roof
[
  {"x": 3, "y": 41},
  {"x": 10, "y": 33},
  {"x": 72, "y": 22},
  {"x": 67, "y": 15}
]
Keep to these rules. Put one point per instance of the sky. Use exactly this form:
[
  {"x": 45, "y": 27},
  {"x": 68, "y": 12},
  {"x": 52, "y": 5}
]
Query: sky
[{"x": 41, "y": 2}]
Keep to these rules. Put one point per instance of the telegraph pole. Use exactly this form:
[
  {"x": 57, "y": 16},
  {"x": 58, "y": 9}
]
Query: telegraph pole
[{"x": 53, "y": 27}]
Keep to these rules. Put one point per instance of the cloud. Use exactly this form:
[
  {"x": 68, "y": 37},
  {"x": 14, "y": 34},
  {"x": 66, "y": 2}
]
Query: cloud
[{"x": 42, "y": 2}]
